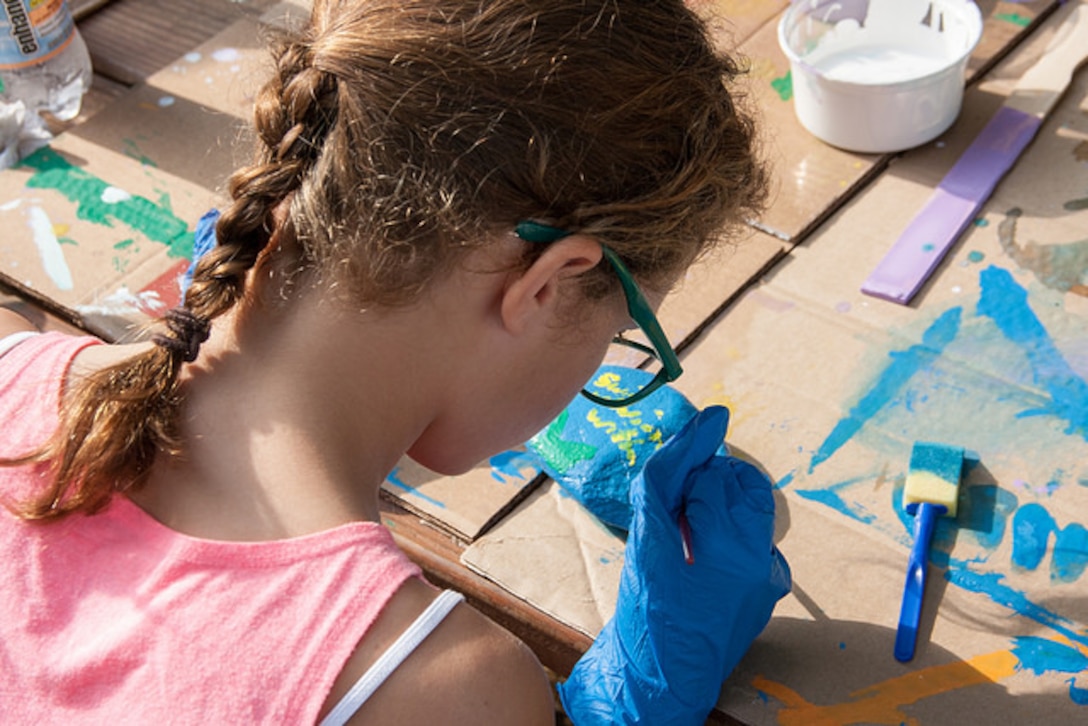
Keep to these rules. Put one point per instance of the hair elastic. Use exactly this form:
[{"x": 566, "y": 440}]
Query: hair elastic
[{"x": 188, "y": 332}]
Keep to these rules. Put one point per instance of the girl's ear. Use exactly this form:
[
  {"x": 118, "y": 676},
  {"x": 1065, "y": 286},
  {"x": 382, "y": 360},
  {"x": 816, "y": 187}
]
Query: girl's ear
[{"x": 535, "y": 291}]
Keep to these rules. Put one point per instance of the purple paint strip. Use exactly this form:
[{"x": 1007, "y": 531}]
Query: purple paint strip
[
  {"x": 954, "y": 203},
  {"x": 916, "y": 254},
  {"x": 991, "y": 155}
]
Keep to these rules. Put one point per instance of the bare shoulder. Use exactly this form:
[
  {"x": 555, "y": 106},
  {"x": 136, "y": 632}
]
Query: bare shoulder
[{"x": 469, "y": 670}]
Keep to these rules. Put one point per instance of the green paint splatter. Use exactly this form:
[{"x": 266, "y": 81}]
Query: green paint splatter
[
  {"x": 53, "y": 171},
  {"x": 975, "y": 256},
  {"x": 132, "y": 151},
  {"x": 980, "y": 222},
  {"x": 784, "y": 86},
  {"x": 67, "y": 241},
  {"x": 558, "y": 452},
  {"x": 124, "y": 243},
  {"x": 1015, "y": 18},
  {"x": 927, "y": 247}
]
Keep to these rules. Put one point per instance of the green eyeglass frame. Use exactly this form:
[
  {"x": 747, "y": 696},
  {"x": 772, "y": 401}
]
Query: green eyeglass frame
[{"x": 637, "y": 307}]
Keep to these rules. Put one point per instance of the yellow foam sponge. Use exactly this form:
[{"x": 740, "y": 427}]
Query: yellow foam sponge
[{"x": 934, "y": 475}]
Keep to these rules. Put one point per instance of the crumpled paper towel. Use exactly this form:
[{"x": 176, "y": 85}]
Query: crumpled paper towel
[{"x": 22, "y": 132}]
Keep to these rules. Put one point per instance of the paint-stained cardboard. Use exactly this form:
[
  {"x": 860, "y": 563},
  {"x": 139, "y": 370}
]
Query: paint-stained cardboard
[
  {"x": 829, "y": 389},
  {"x": 97, "y": 233}
]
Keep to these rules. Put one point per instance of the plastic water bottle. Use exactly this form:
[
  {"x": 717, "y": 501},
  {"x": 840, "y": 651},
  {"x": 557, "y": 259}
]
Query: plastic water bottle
[{"x": 43, "y": 60}]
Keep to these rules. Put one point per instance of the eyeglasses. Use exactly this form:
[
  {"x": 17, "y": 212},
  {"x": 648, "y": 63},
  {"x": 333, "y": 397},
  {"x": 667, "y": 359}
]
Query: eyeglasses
[{"x": 637, "y": 307}]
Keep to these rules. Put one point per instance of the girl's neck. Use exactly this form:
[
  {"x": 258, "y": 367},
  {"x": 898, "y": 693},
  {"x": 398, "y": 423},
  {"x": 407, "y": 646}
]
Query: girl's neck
[{"x": 292, "y": 432}]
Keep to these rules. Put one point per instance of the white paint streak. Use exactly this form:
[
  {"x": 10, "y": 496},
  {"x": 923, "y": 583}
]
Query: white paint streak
[
  {"x": 49, "y": 248},
  {"x": 226, "y": 55},
  {"x": 124, "y": 302}
]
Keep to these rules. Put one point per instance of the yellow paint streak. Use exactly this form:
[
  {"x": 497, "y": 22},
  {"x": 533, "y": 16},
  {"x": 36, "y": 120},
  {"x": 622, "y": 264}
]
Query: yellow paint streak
[
  {"x": 595, "y": 419},
  {"x": 882, "y": 703},
  {"x": 609, "y": 381}
]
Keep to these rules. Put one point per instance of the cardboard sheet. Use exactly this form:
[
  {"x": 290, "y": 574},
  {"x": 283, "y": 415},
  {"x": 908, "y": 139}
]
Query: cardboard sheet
[
  {"x": 466, "y": 505},
  {"x": 98, "y": 233},
  {"x": 811, "y": 178},
  {"x": 570, "y": 554},
  {"x": 828, "y": 391},
  {"x": 101, "y": 222}
]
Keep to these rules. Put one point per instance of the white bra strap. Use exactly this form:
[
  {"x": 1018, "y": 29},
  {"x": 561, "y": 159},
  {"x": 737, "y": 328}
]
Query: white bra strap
[
  {"x": 10, "y": 341},
  {"x": 427, "y": 621}
]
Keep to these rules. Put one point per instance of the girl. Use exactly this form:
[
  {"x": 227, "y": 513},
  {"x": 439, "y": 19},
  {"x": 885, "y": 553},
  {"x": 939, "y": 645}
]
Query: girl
[{"x": 422, "y": 259}]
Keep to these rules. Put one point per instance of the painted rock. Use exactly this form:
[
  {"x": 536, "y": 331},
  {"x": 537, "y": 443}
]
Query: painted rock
[{"x": 593, "y": 452}]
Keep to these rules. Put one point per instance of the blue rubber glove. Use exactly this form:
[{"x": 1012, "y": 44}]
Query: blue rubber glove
[{"x": 680, "y": 629}]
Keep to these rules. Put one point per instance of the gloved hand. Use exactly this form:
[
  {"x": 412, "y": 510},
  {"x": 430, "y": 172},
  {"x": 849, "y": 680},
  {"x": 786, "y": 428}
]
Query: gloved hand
[{"x": 680, "y": 629}]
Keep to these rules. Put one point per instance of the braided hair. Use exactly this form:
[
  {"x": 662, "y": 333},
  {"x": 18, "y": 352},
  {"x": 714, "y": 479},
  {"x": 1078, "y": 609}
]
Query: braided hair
[{"x": 393, "y": 136}]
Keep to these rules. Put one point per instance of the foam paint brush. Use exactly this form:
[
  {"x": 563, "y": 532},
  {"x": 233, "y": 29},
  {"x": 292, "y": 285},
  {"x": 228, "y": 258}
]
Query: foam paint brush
[{"x": 931, "y": 491}]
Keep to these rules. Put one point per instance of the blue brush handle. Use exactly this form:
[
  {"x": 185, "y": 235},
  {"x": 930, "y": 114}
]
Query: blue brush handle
[{"x": 925, "y": 519}]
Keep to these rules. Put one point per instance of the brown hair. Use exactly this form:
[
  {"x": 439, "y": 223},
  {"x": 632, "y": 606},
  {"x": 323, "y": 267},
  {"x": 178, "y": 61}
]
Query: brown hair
[{"x": 394, "y": 134}]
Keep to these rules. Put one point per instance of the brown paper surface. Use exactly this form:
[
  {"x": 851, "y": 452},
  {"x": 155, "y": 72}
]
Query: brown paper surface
[
  {"x": 98, "y": 233},
  {"x": 811, "y": 178},
  {"x": 464, "y": 505},
  {"x": 574, "y": 558}
]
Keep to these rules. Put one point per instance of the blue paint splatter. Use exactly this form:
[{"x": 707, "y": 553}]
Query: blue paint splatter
[
  {"x": 509, "y": 464},
  {"x": 393, "y": 479},
  {"x": 1040, "y": 656},
  {"x": 1078, "y": 695},
  {"x": 984, "y": 511},
  {"x": 991, "y": 585},
  {"x": 829, "y": 496},
  {"x": 1006, "y": 303},
  {"x": 890, "y": 382},
  {"x": 1032, "y": 529},
  {"x": 788, "y": 479},
  {"x": 1031, "y": 534}
]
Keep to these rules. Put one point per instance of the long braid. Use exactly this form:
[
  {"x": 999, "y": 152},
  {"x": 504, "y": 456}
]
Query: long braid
[{"x": 117, "y": 420}]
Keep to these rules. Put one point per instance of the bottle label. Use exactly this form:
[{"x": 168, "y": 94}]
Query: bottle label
[{"x": 32, "y": 31}]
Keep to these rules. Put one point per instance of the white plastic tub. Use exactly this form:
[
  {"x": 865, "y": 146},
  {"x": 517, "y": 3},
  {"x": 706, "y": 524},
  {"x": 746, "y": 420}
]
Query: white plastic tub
[{"x": 878, "y": 76}]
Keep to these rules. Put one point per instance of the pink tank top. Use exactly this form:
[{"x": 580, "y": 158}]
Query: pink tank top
[{"x": 114, "y": 618}]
